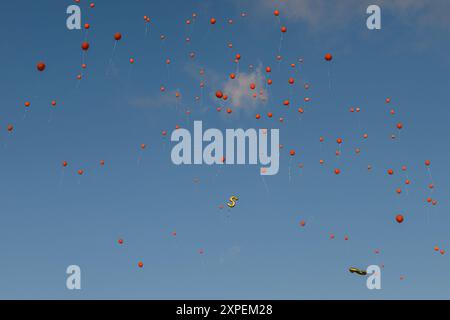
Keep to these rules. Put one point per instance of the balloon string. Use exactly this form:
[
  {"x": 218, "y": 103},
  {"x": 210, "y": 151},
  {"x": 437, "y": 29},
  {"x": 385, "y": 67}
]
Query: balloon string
[
  {"x": 139, "y": 160},
  {"x": 50, "y": 117},
  {"x": 329, "y": 79},
  {"x": 280, "y": 45},
  {"x": 265, "y": 184},
  {"x": 61, "y": 180},
  {"x": 430, "y": 175},
  {"x": 110, "y": 65},
  {"x": 290, "y": 169}
]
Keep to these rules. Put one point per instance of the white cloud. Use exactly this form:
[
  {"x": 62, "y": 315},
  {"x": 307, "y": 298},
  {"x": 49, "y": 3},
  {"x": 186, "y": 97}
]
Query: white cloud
[
  {"x": 323, "y": 14},
  {"x": 240, "y": 93},
  {"x": 160, "y": 100}
]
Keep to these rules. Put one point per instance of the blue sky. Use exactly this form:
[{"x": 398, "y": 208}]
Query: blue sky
[{"x": 52, "y": 218}]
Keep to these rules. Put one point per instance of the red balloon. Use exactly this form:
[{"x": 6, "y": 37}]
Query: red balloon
[
  {"x": 117, "y": 36},
  {"x": 85, "y": 46},
  {"x": 328, "y": 57},
  {"x": 40, "y": 66}
]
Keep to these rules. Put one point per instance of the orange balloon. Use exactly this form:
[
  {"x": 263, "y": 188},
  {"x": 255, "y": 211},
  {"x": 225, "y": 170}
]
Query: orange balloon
[
  {"x": 85, "y": 46},
  {"x": 40, "y": 66}
]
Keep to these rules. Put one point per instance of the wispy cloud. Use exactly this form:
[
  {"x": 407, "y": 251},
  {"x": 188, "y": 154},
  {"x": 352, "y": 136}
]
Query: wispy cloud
[
  {"x": 239, "y": 91},
  {"x": 160, "y": 100},
  {"x": 240, "y": 95},
  {"x": 324, "y": 14}
]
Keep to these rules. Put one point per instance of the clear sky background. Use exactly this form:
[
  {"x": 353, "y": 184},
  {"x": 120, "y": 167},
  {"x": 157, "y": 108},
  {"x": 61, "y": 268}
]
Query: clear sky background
[{"x": 52, "y": 218}]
